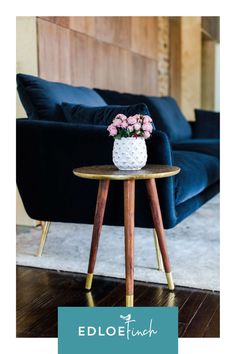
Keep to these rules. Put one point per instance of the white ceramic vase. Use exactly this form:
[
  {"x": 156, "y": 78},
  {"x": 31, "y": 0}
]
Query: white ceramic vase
[{"x": 129, "y": 153}]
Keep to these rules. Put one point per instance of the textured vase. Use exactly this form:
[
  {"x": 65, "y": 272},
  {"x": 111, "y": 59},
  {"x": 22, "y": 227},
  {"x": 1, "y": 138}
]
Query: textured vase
[{"x": 129, "y": 153}]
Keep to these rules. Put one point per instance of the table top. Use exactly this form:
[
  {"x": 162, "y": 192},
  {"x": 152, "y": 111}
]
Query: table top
[{"x": 101, "y": 172}]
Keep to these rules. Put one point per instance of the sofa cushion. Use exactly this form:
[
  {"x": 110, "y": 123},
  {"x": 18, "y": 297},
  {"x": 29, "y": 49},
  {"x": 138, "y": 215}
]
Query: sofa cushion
[
  {"x": 198, "y": 171},
  {"x": 206, "y": 146},
  {"x": 100, "y": 115},
  {"x": 42, "y": 99},
  {"x": 207, "y": 124},
  {"x": 115, "y": 97},
  {"x": 170, "y": 118},
  {"x": 164, "y": 111}
]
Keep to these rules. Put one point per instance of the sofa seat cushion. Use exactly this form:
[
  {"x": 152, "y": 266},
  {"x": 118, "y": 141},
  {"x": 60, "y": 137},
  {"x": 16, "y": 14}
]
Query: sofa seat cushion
[
  {"x": 198, "y": 171},
  {"x": 42, "y": 99},
  {"x": 100, "y": 115},
  {"x": 206, "y": 146}
]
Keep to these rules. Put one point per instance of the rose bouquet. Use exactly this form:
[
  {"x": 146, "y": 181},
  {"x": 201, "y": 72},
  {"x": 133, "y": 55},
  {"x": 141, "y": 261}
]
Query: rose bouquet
[
  {"x": 137, "y": 126},
  {"x": 129, "y": 149}
]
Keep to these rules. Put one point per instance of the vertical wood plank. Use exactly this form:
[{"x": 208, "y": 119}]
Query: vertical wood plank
[
  {"x": 83, "y": 24},
  {"x": 82, "y": 59},
  {"x": 175, "y": 58},
  {"x": 208, "y": 74},
  {"x": 53, "y": 52},
  {"x": 114, "y": 29}
]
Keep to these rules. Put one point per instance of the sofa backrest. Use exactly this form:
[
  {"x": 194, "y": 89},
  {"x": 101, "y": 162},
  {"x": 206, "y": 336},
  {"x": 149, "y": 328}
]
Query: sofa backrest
[
  {"x": 164, "y": 111},
  {"x": 42, "y": 99}
]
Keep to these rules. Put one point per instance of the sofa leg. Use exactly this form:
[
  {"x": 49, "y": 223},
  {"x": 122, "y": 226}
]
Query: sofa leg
[
  {"x": 160, "y": 266},
  {"x": 170, "y": 282},
  {"x": 45, "y": 229}
]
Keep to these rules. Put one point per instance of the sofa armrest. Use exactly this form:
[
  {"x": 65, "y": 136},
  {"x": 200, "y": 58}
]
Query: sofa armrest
[
  {"x": 159, "y": 148},
  {"x": 47, "y": 152},
  {"x": 207, "y": 124},
  {"x": 81, "y": 143}
]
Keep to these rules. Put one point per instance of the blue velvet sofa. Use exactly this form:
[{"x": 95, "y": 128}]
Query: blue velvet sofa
[{"x": 49, "y": 147}]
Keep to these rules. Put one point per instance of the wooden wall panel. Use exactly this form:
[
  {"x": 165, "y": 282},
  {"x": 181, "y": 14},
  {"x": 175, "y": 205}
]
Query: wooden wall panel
[
  {"x": 145, "y": 36},
  {"x": 85, "y": 24},
  {"x": 119, "y": 53},
  {"x": 82, "y": 59},
  {"x": 54, "y": 52},
  {"x": 114, "y": 30},
  {"x": 190, "y": 65},
  {"x": 175, "y": 58},
  {"x": 208, "y": 75}
]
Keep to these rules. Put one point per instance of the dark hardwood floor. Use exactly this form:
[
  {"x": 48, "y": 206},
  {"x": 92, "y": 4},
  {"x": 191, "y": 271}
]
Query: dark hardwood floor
[{"x": 40, "y": 292}]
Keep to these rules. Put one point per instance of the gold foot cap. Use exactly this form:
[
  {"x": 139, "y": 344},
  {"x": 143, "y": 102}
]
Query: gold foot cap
[
  {"x": 89, "y": 298},
  {"x": 89, "y": 279},
  {"x": 129, "y": 300},
  {"x": 169, "y": 278}
]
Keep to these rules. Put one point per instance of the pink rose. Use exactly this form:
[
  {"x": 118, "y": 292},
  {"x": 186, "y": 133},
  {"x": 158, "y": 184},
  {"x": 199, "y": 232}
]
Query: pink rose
[
  {"x": 132, "y": 119},
  {"x": 137, "y": 126},
  {"x": 146, "y": 135},
  {"x": 130, "y": 128},
  {"x": 113, "y": 131},
  {"x": 121, "y": 116},
  {"x": 117, "y": 122},
  {"x": 147, "y": 119},
  {"x": 147, "y": 127},
  {"x": 110, "y": 127},
  {"x": 137, "y": 116},
  {"x": 124, "y": 124}
]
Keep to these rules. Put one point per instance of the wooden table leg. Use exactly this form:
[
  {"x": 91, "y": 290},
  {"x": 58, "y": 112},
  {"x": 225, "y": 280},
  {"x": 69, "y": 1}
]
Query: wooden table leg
[
  {"x": 97, "y": 227},
  {"x": 158, "y": 224},
  {"x": 129, "y": 193}
]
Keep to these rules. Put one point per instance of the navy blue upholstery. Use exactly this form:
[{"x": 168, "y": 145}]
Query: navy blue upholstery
[
  {"x": 48, "y": 149},
  {"x": 169, "y": 118},
  {"x": 207, "y": 125},
  {"x": 206, "y": 146},
  {"x": 42, "y": 99},
  {"x": 164, "y": 111},
  {"x": 198, "y": 171},
  {"x": 100, "y": 115}
]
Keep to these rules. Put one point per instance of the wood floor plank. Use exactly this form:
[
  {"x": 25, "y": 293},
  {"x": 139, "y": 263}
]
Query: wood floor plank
[
  {"x": 190, "y": 308},
  {"x": 202, "y": 318},
  {"x": 182, "y": 327},
  {"x": 213, "y": 328},
  {"x": 40, "y": 292}
]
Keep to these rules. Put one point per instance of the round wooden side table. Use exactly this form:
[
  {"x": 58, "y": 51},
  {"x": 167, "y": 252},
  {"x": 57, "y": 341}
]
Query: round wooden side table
[{"x": 105, "y": 174}]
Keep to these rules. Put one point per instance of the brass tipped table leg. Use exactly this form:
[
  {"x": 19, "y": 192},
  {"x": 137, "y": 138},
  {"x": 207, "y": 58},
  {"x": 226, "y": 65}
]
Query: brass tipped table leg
[
  {"x": 157, "y": 220},
  {"x": 98, "y": 220},
  {"x": 129, "y": 191},
  {"x": 45, "y": 229},
  {"x": 158, "y": 252}
]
